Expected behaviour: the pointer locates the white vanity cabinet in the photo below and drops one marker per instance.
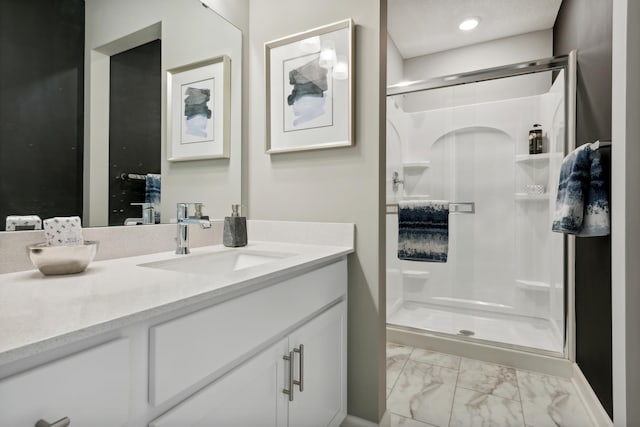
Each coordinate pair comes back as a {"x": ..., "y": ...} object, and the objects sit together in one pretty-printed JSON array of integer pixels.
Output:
[
  {"x": 311, "y": 361},
  {"x": 90, "y": 388},
  {"x": 270, "y": 355}
]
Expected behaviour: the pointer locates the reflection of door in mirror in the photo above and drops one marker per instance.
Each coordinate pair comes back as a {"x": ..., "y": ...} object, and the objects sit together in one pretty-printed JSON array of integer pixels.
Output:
[
  {"x": 134, "y": 129},
  {"x": 41, "y": 108}
]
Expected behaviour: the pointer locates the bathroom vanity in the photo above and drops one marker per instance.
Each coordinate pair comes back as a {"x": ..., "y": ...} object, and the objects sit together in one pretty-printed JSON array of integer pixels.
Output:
[{"x": 252, "y": 336}]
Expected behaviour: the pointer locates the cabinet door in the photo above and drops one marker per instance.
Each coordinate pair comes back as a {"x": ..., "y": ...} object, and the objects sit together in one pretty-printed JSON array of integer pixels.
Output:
[
  {"x": 322, "y": 402},
  {"x": 91, "y": 388},
  {"x": 249, "y": 395}
]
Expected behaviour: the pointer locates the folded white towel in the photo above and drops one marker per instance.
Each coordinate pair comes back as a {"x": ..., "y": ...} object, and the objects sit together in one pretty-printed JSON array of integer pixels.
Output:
[{"x": 63, "y": 231}]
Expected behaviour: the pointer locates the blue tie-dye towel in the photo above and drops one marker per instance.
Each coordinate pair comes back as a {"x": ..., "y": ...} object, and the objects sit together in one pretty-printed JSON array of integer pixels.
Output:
[
  {"x": 582, "y": 205},
  {"x": 423, "y": 230},
  {"x": 152, "y": 194}
]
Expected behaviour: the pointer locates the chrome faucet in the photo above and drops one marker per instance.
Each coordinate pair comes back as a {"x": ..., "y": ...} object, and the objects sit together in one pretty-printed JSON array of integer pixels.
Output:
[{"x": 182, "y": 239}]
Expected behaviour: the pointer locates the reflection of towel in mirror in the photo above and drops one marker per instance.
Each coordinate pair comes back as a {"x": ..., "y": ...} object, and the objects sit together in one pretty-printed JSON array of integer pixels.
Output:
[
  {"x": 152, "y": 194},
  {"x": 582, "y": 205},
  {"x": 423, "y": 230}
]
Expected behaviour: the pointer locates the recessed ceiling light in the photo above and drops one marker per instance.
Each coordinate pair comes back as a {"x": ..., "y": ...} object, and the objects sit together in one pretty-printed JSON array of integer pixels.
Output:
[{"x": 469, "y": 24}]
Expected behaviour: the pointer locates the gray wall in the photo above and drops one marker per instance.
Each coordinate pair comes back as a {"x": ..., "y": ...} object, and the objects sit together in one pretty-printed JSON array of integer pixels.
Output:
[
  {"x": 626, "y": 205},
  {"x": 336, "y": 185},
  {"x": 585, "y": 25}
]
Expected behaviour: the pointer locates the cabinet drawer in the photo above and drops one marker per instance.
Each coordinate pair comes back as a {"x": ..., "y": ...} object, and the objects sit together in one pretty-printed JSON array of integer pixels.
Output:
[
  {"x": 186, "y": 350},
  {"x": 90, "y": 387}
]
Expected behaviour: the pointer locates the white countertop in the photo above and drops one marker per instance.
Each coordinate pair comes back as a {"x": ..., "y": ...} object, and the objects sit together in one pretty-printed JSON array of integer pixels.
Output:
[{"x": 39, "y": 313}]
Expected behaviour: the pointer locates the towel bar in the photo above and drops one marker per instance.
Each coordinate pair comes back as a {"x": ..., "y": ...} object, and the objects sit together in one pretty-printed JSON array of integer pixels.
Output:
[
  {"x": 126, "y": 176},
  {"x": 454, "y": 208}
]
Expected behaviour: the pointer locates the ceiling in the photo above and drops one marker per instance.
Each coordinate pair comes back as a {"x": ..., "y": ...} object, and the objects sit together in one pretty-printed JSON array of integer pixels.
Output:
[{"x": 422, "y": 27}]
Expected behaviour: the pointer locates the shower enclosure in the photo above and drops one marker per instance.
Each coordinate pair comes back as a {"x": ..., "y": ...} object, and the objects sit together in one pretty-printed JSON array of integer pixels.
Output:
[{"x": 465, "y": 138}]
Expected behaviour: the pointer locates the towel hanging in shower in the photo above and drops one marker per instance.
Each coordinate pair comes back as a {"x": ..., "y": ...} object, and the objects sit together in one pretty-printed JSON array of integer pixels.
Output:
[
  {"x": 582, "y": 205},
  {"x": 423, "y": 230},
  {"x": 152, "y": 194}
]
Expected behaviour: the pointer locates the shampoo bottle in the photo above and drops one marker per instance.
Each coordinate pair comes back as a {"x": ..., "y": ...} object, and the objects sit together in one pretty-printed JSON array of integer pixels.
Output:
[{"x": 235, "y": 229}]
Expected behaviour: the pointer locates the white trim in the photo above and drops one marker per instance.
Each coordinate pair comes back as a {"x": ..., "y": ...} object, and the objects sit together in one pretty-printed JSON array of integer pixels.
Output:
[
  {"x": 591, "y": 402},
  {"x": 352, "y": 421}
]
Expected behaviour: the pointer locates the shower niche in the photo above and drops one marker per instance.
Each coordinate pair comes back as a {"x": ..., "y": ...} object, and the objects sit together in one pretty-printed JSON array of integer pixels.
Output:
[{"x": 504, "y": 281}]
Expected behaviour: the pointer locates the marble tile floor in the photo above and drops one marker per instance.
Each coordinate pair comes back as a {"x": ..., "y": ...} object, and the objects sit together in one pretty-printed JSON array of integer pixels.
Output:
[{"x": 430, "y": 389}]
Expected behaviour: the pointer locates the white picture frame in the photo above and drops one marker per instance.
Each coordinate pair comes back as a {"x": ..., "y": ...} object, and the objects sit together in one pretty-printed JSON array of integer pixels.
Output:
[
  {"x": 199, "y": 110},
  {"x": 309, "y": 79}
]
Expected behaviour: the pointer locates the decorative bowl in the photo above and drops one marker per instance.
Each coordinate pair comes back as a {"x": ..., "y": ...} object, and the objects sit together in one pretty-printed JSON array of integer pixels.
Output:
[{"x": 54, "y": 260}]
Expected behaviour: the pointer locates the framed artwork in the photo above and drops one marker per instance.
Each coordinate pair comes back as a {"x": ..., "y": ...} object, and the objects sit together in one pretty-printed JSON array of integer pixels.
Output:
[
  {"x": 309, "y": 89},
  {"x": 198, "y": 110}
]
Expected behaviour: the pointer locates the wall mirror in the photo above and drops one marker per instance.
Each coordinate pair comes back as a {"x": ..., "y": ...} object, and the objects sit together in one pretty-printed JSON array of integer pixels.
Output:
[{"x": 83, "y": 108}]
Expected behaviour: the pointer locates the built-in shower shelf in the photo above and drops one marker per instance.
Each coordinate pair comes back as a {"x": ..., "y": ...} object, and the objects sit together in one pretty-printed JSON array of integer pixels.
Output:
[
  {"x": 424, "y": 164},
  {"x": 416, "y": 274},
  {"x": 529, "y": 158},
  {"x": 533, "y": 285},
  {"x": 524, "y": 197}
]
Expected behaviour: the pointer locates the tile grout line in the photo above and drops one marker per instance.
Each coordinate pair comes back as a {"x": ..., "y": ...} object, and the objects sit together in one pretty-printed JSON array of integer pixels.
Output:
[
  {"x": 524, "y": 420},
  {"x": 455, "y": 388},
  {"x": 401, "y": 370}
]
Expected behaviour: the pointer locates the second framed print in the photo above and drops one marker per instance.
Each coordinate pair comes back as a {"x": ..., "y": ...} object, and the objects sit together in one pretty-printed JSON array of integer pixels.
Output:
[{"x": 198, "y": 110}]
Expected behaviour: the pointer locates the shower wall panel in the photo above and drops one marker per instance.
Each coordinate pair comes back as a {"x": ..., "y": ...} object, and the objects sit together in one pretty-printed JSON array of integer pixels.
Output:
[{"x": 503, "y": 258}]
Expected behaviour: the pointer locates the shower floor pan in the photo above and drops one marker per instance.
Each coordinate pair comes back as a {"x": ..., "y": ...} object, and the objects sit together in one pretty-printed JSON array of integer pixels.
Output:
[{"x": 501, "y": 328}]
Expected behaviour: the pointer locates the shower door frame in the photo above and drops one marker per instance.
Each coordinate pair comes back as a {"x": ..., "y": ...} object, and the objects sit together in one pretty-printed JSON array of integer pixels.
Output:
[{"x": 567, "y": 63}]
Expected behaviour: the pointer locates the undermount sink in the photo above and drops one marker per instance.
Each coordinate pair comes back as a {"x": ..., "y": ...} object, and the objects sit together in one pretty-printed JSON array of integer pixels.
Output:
[{"x": 218, "y": 263}]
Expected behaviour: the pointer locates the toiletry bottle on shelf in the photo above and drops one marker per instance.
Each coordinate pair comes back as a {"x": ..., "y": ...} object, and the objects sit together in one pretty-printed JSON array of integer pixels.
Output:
[
  {"x": 535, "y": 139},
  {"x": 235, "y": 229}
]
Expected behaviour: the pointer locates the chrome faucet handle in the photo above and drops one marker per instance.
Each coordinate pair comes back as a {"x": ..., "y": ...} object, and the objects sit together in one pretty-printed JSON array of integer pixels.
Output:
[
  {"x": 183, "y": 220},
  {"x": 183, "y": 210}
]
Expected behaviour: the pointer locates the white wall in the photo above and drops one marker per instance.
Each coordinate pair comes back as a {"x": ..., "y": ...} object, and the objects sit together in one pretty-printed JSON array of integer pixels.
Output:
[
  {"x": 189, "y": 33},
  {"x": 335, "y": 185},
  {"x": 625, "y": 202}
]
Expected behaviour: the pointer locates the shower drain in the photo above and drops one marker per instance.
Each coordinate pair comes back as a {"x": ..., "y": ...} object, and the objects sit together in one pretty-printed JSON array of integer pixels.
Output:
[{"x": 466, "y": 332}]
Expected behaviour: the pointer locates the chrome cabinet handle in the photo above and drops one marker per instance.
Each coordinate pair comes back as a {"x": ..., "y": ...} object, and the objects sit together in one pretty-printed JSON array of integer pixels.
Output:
[
  {"x": 63, "y": 422},
  {"x": 289, "y": 358},
  {"x": 300, "y": 383}
]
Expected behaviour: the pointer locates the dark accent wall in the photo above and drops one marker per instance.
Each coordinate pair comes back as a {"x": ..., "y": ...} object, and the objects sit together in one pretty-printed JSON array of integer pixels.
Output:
[
  {"x": 585, "y": 25},
  {"x": 134, "y": 126},
  {"x": 41, "y": 107}
]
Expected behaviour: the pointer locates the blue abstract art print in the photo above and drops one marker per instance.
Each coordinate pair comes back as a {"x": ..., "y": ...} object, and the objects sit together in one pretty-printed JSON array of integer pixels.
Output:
[{"x": 308, "y": 92}]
